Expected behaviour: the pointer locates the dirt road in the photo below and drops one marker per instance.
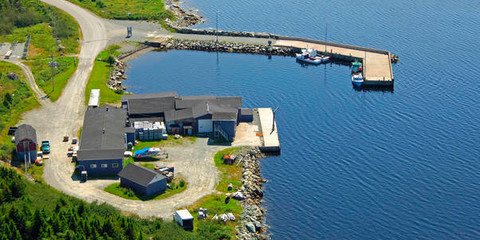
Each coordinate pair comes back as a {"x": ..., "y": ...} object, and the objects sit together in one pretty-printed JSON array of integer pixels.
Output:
[{"x": 65, "y": 116}]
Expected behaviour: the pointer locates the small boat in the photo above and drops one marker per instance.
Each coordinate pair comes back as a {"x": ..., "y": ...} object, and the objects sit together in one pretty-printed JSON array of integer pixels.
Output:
[
  {"x": 310, "y": 56},
  {"x": 357, "y": 67},
  {"x": 357, "y": 79}
]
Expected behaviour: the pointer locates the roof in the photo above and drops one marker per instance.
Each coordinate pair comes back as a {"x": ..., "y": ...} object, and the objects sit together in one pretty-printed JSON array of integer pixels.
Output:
[
  {"x": 246, "y": 111},
  {"x": 149, "y": 95},
  {"x": 103, "y": 128},
  {"x": 94, "y": 99},
  {"x": 224, "y": 116},
  {"x": 25, "y": 131},
  {"x": 138, "y": 174},
  {"x": 184, "y": 214},
  {"x": 100, "y": 154},
  {"x": 151, "y": 105},
  {"x": 174, "y": 115},
  {"x": 191, "y": 101}
]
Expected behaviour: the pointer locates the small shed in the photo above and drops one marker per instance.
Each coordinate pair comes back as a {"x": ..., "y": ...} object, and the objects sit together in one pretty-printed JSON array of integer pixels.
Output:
[
  {"x": 26, "y": 143},
  {"x": 246, "y": 115},
  {"x": 184, "y": 218},
  {"x": 94, "y": 100},
  {"x": 142, "y": 180}
]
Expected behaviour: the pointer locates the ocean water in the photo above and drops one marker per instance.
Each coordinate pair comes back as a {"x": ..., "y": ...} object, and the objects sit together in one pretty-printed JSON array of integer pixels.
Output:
[{"x": 400, "y": 164}]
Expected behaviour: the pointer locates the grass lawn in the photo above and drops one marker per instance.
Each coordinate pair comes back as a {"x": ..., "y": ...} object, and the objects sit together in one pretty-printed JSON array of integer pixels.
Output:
[
  {"x": 116, "y": 189},
  {"x": 43, "y": 74},
  {"x": 21, "y": 100},
  {"x": 99, "y": 77},
  {"x": 37, "y": 172},
  {"x": 230, "y": 173},
  {"x": 151, "y": 10}
]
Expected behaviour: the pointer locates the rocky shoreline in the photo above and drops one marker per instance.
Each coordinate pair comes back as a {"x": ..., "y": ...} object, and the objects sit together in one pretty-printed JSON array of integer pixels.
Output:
[
  {"x": 252, "y": 224},
  {"x": 184, "y": 18}
]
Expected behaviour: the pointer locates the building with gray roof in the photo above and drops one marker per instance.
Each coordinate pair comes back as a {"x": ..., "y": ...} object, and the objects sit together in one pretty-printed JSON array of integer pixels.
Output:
[
  {"x": 26, "y": 143},
  {"x": 142, "y": 180},
  {"x": 103, "y": 139}
]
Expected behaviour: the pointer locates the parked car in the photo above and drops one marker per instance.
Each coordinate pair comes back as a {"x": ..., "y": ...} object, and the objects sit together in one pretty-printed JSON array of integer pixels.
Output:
[{"x": 45, "y": 147}]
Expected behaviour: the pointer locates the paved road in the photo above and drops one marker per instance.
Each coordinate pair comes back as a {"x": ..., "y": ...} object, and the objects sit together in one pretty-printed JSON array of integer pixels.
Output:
[{"x": 65, "y": 116}]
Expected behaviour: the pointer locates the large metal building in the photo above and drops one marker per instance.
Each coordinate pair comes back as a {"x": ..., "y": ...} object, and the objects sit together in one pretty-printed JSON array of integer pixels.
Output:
[{"x": 103, "y": 141}]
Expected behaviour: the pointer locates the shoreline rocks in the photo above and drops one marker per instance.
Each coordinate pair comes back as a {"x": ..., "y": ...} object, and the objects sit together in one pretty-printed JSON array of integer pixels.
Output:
[
  {"x": 184, "y": 18},
  {"x": 252, "y": 224}
]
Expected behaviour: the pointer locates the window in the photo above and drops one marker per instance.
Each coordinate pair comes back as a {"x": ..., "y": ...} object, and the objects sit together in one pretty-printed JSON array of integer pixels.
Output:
[
  {"x": 105, "y": 165},
  {"x": 115, "y": 165},
  {"x": 93, "y": 165}
]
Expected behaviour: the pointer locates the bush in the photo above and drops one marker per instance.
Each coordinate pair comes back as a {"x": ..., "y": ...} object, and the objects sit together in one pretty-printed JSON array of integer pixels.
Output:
[{"x": 182, "y": 183}]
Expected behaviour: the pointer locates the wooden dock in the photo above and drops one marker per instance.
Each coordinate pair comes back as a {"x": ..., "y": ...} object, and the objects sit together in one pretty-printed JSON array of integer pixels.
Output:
[
  {"x": 271, "y": 142},
  {"x": 377, "y": 64}
]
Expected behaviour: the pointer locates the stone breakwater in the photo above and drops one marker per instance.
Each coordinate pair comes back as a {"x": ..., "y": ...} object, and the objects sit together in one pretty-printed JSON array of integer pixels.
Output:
[
  {"x": 117, "y": 75},
  {"x": 252, "y": 223},
  {"x": 211, "y": 46}
]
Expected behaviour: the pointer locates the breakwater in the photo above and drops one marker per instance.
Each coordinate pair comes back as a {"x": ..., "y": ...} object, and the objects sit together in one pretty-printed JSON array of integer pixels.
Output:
[{"x": 212, "y": 46}]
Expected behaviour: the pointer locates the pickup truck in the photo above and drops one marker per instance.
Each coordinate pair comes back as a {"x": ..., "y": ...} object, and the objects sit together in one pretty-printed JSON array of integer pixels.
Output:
[{"x": 45, "y": 147}]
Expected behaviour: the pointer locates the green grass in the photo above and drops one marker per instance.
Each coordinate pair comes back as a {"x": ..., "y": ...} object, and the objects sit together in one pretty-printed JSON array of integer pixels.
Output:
[
  {"x": 151, "y": 10},
  {"x": 126, "y": 193},
  {"x": 37, "y": 172},
  {"x": 43, "y": 74},
  {"x": 148, "y": 165},
  {"x": 215, "y": 203},
  {"x": 99, "y": 78},
  {"x": 230, "y": 173},
  {"x": 23, "y": 100}
]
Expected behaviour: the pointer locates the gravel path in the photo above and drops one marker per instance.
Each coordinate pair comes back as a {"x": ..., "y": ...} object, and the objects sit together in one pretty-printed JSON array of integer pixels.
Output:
[{"x": 39, "y": 94}]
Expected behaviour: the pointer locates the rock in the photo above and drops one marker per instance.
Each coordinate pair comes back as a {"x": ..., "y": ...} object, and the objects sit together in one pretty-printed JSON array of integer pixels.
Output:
[{"x": 250, "y": 227}]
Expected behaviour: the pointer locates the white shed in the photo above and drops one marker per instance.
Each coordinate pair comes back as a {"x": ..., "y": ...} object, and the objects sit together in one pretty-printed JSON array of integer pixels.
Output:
[
  {"x": 184, "y": 218},
  {"x": 94, "y": 100}
]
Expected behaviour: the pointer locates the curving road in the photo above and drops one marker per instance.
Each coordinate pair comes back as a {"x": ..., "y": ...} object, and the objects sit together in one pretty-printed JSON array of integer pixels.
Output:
[
  {"x": 65, "y": 116},
  {"x": 39, "y": 94}
]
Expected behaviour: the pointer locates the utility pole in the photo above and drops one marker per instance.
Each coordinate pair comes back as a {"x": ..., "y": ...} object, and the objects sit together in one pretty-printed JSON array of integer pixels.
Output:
[
  {"x": 216, "y": 24},
  {"x": 53, "y": 64}
]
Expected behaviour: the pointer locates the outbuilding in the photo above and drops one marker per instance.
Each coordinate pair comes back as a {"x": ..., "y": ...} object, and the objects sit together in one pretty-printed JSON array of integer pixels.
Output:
[
  {"x": 142, "y": 180},
  {"x": 184, "y": 219},
  {"x": 26, "y": 143}
]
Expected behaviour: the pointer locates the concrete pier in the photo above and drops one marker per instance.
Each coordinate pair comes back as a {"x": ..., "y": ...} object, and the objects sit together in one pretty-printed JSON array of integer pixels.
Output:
[
  {"x": 268, "y": 125},
  {"x": 377, "y": 64}
]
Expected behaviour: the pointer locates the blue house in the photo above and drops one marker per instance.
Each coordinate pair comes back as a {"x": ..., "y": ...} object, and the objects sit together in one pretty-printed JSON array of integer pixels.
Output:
[
  {"x": 104, "y": 137},
  {"x": 142, "y": 180}
]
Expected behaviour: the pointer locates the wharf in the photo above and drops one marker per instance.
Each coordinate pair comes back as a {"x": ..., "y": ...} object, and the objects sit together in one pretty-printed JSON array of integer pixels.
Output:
[
  {"x": 271, "y": 142},
  {"x": 377, "y": 64}
]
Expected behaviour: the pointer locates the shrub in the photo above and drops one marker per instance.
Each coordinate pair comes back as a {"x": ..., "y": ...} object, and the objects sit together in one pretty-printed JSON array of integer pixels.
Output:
[{"x": 182, "y": 183}]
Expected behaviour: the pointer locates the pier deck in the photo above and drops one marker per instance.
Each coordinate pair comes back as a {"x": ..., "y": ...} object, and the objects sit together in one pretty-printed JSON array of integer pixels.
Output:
[
  {"x": 271, "y": 142},
  {"x": 377, "y": 65}
]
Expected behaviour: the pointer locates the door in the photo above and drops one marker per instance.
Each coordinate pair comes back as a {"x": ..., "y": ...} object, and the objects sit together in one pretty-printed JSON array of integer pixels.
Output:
[{"x": 205, "y": 125}]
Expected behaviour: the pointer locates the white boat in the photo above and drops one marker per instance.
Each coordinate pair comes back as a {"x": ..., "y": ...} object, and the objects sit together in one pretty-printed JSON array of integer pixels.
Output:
[
  {"x": 357, "y": 79},
  {"x": 231, "y": 217},
  {"x": 310, "y": 56}
]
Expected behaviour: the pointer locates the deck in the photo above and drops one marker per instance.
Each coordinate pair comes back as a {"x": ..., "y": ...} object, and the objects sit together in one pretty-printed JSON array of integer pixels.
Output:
[{"x": 271, "y": 142}]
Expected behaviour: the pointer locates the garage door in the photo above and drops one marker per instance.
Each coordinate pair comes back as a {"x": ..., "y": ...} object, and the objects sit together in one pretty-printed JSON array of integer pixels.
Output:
[{"x": 205, "y": 126}]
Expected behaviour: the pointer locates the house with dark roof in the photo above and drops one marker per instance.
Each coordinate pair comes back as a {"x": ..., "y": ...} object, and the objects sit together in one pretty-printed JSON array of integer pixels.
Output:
[
  {"x": 104, "y": 137},
  {"x": 142, "y": 180},
  {"x": 26, "y": 143},
  {"x": 188, "y": 115}
]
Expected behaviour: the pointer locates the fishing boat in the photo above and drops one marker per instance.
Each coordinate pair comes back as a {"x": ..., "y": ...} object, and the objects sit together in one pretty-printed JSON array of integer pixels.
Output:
[
  {"x": 357, "y": 79},
  {"x": 310, "y": 56}
]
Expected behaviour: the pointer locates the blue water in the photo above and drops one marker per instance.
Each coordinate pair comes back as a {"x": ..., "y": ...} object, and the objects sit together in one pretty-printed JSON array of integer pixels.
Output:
[{"x": 354, "y": 164}]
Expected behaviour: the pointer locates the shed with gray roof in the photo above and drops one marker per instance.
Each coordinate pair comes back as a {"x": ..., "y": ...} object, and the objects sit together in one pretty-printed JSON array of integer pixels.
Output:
[{"x": 142, "y": 180}]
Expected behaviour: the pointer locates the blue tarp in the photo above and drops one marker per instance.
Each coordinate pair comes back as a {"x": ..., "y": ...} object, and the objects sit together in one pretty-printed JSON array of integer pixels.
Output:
[{"x": 142, "y": 151}]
